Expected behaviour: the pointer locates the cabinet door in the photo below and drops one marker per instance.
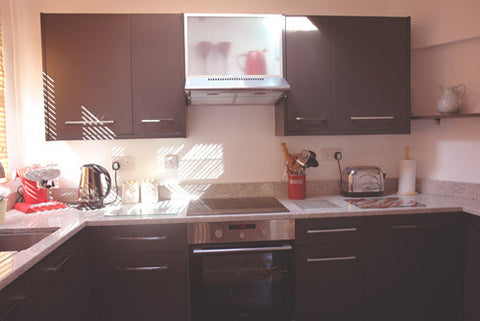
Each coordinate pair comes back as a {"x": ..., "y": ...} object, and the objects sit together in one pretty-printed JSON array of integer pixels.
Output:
[
  {"x": 142, "y": 287},
  {"x": 87, "y": 79},
  {"x": 413, "y": 268},
  {"x": 371, "y": 74},
  {"x": 62, "y": 283},
  {"x": 308, "y": 54},
  {"x": 16, "y": 300},
  {"x": 158, "y": 75},
  {"x": 328, "y": 283},
  {"x": 472, "y": 269}
]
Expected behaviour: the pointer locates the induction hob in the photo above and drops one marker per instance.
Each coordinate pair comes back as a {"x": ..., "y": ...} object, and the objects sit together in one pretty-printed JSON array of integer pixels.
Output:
[{"x": 227, "y": 206}]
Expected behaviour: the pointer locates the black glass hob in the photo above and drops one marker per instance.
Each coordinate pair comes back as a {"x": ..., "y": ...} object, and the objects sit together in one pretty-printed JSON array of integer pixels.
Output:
[{"x": 227, "y": 206}]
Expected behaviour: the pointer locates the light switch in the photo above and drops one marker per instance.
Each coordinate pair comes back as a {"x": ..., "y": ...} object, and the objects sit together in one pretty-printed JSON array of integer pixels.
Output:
[{"x": 171, "y": 161}]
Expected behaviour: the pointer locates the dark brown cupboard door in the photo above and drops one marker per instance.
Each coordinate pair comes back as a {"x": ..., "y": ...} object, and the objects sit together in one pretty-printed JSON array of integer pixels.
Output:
[
  {"x": 412, "y": 268},
  {"x": 328, "y": 283},
  {"x": 141, "y": 273},
  {"x": 87, "y": 78},
  {"x": 472, "y": 269},
  {"x": 371, "y": 72},
  {"x": 158, "y": 75},
  {"x": 142, "y": 287},
  {"x": 308, "y": 54},
  {"x": 62, "y": 283},
  {"x": 16, "y": 302}
]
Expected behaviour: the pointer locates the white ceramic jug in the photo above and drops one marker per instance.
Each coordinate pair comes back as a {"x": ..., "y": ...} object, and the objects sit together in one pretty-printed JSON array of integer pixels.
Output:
[{"x": 451, "y": 99}]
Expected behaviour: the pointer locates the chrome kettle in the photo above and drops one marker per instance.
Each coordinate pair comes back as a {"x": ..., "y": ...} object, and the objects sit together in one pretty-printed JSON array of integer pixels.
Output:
[{"x": 90, "y": 190}]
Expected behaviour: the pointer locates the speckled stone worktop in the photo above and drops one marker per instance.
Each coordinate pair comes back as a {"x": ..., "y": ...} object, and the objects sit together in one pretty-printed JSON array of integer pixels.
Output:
[{"x": 68, "y": 222}]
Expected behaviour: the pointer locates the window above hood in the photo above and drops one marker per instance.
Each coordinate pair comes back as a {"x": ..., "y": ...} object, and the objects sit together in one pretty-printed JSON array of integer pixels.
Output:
[{"x": 234, "y": 59}]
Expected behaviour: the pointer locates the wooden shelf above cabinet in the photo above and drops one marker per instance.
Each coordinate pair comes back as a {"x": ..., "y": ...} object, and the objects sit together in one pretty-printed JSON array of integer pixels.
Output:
[{"x": 438, "y": 118}]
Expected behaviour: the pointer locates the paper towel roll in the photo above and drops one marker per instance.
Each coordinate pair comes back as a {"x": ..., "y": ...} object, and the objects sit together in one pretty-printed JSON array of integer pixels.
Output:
[{"x": 407, "y": 175}]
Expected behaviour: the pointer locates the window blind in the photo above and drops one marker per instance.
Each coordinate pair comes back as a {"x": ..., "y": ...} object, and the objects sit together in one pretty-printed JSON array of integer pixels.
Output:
[{"x": 3, "y": 118}]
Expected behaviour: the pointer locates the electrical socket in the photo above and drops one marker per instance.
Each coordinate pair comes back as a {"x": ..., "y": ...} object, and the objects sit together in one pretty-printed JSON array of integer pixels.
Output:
[
  {"x": 126, "y": 162},
  {"x": 328, "y": 154}
]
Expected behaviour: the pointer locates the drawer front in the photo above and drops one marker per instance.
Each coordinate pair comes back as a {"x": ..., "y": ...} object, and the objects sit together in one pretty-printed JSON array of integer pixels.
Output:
[
  {"x": 148, "y": 286},
  {"x": 328, "y": 231},
  {"x": 328, "y": 282},
  {"x": 446, "y": 222},
  {"x": 140, "y": 238}
]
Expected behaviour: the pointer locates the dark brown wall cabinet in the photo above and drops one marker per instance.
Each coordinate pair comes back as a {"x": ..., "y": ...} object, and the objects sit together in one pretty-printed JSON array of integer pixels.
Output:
[
  {"x": 348, "y": 75},
  {"x": 109, "y": 76},
  {"x": 141, "y": 273}
]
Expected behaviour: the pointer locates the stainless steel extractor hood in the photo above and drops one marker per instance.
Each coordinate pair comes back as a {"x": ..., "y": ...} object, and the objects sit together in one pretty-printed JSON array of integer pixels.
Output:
[
  {"x": 235, "y": 90},
  {"x": 234, "y": 59}
]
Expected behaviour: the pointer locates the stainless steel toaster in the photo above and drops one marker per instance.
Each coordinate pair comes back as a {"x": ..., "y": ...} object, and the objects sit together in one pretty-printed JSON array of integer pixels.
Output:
[{"x": 363, "y": 181}]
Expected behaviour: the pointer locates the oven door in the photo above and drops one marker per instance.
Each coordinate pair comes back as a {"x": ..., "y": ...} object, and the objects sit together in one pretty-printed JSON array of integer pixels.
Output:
[{"x": 242, "y": 282}]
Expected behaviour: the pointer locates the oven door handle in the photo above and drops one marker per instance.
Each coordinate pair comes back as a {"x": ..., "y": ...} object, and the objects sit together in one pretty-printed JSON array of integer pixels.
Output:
[{"x": 285, "y": 247}]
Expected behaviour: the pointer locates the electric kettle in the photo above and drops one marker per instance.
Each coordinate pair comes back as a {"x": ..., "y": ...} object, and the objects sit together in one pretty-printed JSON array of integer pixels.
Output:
[{"x": 90, "y": 190}]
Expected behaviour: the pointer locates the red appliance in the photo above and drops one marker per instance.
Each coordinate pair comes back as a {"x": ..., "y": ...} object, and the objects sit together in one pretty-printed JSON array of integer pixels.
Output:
[
  {"x": 35, "y": 183},
  {"x": 254, "y": 63}
]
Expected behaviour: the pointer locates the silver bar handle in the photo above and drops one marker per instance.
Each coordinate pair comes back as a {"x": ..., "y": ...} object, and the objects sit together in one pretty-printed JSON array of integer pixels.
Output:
[
  {"x": 407, "y": 227},
  {"x": 16, "y": 301},
  {"x": 309, "y": 119},
  {"x": 59, "y": 266},
  {"x": 372, "y": 117},
  {"x": 156, "y": 120},
  {"x": 331, "y": 259},
  {"x": 89, "y": 122},
  {"x": 140, "y": 238},
  {"x": 285, "y": 247},
  {"x": 141, "y": 268},
  {"x": 333, "y": 230}
]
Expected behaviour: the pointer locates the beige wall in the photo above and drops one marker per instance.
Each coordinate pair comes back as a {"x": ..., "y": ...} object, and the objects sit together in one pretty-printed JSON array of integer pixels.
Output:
[
  {"x": 232, "y": 144},
  {"x": 438, "y": 21}
]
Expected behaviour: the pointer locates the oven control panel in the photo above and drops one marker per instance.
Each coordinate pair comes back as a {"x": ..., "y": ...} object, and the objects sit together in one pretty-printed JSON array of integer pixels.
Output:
[{"x": 224, "y": 232}]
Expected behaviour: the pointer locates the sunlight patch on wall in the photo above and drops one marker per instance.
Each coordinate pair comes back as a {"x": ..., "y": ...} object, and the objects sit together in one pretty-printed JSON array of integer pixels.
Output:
[
  {"x": 118, "y": 151},
  {"x": 185, "y": 192},
  {"x": 202, "y": 162},
  {"x": 168, "y": 150}
]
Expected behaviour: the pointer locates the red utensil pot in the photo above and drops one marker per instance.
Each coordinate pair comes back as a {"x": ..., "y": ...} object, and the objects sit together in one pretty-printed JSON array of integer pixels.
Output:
[{"x": 296, "y": 186}]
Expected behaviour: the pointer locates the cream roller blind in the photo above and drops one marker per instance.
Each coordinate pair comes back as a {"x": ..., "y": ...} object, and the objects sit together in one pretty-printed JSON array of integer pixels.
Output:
[{"x": 3, "y": 119}]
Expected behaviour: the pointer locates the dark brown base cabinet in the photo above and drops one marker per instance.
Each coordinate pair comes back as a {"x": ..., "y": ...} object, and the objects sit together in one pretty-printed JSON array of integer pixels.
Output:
[
  {"x": 109, "y": 76},
  {"x": 141, "y": 273},
  {"x": 472, "y": 268},
  {"x": 61, "y": 283},
  {"x": 16, "y": 301},
  {"x": 396, "y": 268},
  {"x": 328, "y": 270},
  {"x": 348, "y": 75},
  {"x": 58, "y": 288},
  {"x": 413, "y": 268}
]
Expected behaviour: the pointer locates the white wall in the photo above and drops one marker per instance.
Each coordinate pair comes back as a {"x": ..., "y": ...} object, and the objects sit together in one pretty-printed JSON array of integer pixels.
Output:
[{"x": 223, "y": 144}]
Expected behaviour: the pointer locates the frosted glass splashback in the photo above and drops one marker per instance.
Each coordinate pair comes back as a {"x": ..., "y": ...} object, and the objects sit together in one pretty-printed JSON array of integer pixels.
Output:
[{"x": 234, "y": 45}]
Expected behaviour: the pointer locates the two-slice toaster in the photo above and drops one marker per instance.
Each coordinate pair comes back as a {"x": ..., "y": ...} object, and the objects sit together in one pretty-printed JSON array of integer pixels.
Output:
[{"x": 363, "y": 181}]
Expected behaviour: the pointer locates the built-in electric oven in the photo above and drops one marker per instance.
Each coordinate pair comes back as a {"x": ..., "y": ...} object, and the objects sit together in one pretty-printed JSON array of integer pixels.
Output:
[{"x": 241, "y": 271}]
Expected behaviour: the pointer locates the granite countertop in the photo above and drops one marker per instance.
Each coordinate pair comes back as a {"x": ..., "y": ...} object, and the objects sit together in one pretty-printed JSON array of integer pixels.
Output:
[{"x": 68, "y": 222}]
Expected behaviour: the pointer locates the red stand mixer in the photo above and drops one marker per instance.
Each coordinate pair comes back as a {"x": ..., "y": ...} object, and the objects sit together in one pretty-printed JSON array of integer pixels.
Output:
[{"x": 35, "y": 184}]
